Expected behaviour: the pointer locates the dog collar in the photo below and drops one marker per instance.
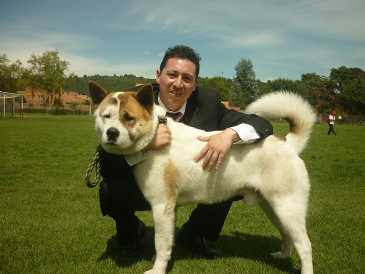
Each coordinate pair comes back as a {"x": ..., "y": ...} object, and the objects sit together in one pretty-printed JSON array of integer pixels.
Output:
[{"x": 162, "y": 120}]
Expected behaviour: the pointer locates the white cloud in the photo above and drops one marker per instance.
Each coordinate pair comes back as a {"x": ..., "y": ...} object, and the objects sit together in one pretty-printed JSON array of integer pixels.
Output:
[
  {"x": 70, "y": 48},
  {"x": 336, "y": 18},
  {"x": 253, "y": 40},
  {"x": 23, "y": 46},
  {"x": 82, "y": 65}
]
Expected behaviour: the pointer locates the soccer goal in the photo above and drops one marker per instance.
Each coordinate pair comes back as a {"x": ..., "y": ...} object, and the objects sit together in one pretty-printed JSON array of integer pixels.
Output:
[{"x": 11, "y": 104}]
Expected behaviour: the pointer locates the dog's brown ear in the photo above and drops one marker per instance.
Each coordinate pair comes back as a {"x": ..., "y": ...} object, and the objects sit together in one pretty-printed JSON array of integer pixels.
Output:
[
  {"x": 97, "y": 93},
  {"x": 145, "y": 97}
]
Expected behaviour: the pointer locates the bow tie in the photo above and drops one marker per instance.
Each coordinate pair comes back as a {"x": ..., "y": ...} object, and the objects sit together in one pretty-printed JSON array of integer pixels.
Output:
[{"x": 174, "y": 115}]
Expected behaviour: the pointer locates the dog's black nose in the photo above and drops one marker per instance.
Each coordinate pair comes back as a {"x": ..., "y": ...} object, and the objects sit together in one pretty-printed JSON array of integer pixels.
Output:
[{"x": 112, "y": 134}]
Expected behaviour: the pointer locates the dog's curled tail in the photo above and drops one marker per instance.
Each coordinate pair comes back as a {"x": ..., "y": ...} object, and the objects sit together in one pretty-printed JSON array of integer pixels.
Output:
[{"x": 291, "y": 107}]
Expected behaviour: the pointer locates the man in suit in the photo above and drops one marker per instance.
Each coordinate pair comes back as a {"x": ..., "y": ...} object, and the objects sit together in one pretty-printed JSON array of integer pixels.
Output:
[{"x": 177, "y": 91}]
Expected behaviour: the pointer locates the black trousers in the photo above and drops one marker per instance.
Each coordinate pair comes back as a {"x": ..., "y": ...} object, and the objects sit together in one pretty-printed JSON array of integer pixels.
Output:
[
  {"x": 120, "y": 198},
  {"x": 331, "y": 129}
]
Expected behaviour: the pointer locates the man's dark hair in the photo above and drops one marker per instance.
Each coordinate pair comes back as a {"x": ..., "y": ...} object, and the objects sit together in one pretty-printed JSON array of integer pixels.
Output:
[{"x": 183, "y": 52}]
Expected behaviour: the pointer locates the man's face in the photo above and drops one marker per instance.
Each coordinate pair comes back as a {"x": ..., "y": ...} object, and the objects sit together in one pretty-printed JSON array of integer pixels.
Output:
[{"x": 177, "y": 82}]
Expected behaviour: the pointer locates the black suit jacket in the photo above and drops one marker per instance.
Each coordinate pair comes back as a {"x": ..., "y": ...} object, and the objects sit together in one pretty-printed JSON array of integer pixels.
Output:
[{"x": 204, "y": 110}]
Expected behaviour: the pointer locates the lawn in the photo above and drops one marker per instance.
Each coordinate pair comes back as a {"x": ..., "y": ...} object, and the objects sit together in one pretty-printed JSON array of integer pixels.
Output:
[{"x": 50, "y": 221}]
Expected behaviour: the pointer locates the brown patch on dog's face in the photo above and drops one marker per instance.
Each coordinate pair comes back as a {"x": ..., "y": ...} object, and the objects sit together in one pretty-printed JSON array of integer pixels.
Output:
[
  {"x": 170, "y": 177},
  {"x": 131, "y": 110}
]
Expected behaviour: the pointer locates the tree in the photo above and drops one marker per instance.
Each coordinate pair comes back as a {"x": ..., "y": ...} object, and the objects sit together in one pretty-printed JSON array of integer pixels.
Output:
[
  {"x": 315, "y": 88},
  {"x": 222, "y": 84},
  {"x": 245, "y": 89},
  {"x": 282, "y": 84},
  {"x": 47, "y": 72},
  {"x": 11, "y": 75},
  {"x": 349, "y": 86}
]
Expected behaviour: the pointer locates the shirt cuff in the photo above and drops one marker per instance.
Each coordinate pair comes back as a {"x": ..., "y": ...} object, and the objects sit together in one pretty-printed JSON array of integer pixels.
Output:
[
  {"x": 247, "y": 134},
  {"x": 135, "y": 158}
]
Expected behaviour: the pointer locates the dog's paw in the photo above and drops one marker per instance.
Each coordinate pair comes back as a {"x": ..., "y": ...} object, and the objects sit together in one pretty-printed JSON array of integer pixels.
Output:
[
  {"x": 152, "y": 271},
  {"x": 280, "y": 255}
]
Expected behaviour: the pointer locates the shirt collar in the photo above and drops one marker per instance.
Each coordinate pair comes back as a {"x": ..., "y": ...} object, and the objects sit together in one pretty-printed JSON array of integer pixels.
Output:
[{"x": 181, "y": 110}]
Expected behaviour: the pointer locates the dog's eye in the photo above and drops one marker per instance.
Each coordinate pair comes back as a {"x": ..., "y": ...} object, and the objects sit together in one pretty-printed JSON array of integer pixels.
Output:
[
  {"x": 106, "y": 116},
  {"x": 127, "y": 117}
]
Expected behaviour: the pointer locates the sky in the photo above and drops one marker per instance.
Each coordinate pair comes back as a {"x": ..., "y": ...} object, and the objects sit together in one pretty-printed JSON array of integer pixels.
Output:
[{"x": 282, "y": 38}]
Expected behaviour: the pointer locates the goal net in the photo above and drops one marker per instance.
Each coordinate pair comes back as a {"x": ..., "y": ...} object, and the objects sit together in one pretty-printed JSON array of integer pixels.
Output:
[{"x": 11, "y": 104}]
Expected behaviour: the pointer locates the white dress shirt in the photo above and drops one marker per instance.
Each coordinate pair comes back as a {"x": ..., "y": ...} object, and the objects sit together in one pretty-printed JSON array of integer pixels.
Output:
[{"x": 331, "y": 119}]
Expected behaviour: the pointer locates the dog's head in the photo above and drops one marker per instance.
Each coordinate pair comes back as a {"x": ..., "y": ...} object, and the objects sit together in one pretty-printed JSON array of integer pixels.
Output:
[{"x": 124, "y": 120}]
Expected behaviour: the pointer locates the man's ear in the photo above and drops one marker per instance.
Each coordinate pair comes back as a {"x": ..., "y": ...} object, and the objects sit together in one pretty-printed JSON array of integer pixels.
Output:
[
  {"x": 158, "y": 74},
  {"x": 145, "y": 97},
  {"x": 97, "y": 93}
]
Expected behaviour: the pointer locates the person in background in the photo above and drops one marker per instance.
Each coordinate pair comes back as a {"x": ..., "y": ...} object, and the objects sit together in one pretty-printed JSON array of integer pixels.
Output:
[{"x": 331, "y": 122}]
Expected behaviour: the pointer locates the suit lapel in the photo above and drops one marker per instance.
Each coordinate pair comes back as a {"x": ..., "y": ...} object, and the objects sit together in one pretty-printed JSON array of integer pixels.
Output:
[{"x": 189, "y": 114}]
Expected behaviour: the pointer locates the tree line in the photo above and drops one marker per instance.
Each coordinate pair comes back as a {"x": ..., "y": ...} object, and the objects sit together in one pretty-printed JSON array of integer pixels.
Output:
[{"x": 343, "y": 90}]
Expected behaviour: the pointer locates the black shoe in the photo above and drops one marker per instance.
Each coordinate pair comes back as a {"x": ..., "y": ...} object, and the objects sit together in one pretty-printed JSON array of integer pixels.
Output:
[
  {"x": 196, "y": 243},
  {"x": 130, "y": 251},
  {"x": 133, "y": 247}
]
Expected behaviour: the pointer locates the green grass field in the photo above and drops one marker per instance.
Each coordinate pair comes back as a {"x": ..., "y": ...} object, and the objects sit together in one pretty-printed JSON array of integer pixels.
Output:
[{"x": 50, "y": 221}]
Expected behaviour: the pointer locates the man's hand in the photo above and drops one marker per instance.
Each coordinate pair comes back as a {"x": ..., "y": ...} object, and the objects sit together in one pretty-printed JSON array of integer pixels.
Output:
[
  {"x": 162, "y": 138},
  {"x": 216, "y": 148}
]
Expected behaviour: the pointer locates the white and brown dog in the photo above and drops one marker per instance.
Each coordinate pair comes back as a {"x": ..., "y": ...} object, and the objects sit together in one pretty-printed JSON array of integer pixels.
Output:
[{"x": 270, "y": 171}]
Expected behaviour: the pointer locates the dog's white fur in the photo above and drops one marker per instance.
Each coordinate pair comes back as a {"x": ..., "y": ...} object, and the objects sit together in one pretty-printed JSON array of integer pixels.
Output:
[{"x": 269, "y": 171}]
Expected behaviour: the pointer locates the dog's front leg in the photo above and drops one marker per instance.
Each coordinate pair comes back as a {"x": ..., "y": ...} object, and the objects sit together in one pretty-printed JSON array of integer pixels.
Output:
[{"x": 164, "y": 220}]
